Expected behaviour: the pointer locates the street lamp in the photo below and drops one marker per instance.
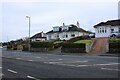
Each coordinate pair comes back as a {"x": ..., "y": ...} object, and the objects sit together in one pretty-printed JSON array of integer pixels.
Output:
[{"x": 29, "y": 31}]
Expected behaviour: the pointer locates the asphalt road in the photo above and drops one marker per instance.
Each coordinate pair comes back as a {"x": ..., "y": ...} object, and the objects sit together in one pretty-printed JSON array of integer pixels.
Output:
[{"x": 16, "y": 64}]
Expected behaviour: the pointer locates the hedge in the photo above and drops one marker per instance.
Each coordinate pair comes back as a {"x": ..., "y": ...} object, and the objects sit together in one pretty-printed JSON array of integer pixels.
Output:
[
  {"x": 114, "y": 47},
  {"x": 73, "y": 45},
  {"x": 78, "y": 38},
  {"x": 73, "y": 48},
  {"x": 41, "y": 44}
]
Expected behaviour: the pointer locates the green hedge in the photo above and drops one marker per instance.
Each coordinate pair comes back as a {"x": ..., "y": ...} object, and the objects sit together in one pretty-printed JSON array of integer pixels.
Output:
[
  {"x": 41, "y": 44},
  {"x": 73, "y": 48},
  {"x": 78, "y": 38},
  {"x": 114, "y": 47},
  {"x": 73, "y": 45}
]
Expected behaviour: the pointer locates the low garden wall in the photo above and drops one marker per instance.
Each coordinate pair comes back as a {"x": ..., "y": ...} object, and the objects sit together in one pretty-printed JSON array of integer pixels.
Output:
[
  {"x": 73, "y": 48},
  {"x": 114, "y": 47},
  {"x": 41, "y": 46}
]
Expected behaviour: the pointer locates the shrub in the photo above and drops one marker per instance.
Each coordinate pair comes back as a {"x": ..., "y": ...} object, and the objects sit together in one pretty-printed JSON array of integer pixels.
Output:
[
  {"x": 41, "y": 44},
  {"x": 72, "y": 45},
  {"x": 78, "y": 38},
  {"x": 114, "y": 47}
]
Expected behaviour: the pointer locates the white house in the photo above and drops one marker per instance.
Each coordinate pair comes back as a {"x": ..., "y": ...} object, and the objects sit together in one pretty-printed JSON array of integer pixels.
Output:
[
  {"x": 66, "y": 32},
  {"x": 107, "y": 29},
  {"x": 38, "y": 37}
]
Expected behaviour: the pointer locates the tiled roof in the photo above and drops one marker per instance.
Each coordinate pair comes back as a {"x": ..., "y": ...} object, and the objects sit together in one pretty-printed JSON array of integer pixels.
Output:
[
  {"x": 111, "y": 22},
  {"x": 72, "y": 28},
  {"x": 38, "y": 35}
]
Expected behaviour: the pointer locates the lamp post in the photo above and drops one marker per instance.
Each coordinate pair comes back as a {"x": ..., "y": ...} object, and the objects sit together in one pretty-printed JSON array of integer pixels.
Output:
[{"x": 29, "y": 32}]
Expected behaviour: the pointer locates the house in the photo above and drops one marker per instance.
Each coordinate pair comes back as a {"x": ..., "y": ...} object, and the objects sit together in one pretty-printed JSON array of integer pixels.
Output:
[
  {"x": 38, "y": 37},
  {"x": 66, "y": 32},
  {"x": 107, "y": 29}
]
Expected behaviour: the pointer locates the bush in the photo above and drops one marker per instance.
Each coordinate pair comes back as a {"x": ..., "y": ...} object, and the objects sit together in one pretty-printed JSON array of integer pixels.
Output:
[
  {"x": 114, "y": 47},
  {"x": 41, "y": 44},
  {"x": 78, "y": 38},
  {"x": 72, "y": 45}
]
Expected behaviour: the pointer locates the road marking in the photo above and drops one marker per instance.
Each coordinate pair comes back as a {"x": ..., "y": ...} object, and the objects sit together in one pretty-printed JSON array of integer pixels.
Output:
[
  {"x": 52, "y": 62},
  {"x": 81, "y": 61},
  {"x": 63, "y": 64},
  {"x": 37, "y": 57},
  {"x": 1, "y": 74},
  {"x": 32, "y": 77},
  {"x": 0, "y": 67},
  {"x": 110, "y": 69},
  {"x": 105, "y": 64},
  {"x": 60, "y": 59},
  {"x": 30, "y": 60},
  {"x": 18, "y": 58},
  {"x": 12, "y": 71},
  {"x": 71, "y": 65},
  {"x": 82, "y": 65}
]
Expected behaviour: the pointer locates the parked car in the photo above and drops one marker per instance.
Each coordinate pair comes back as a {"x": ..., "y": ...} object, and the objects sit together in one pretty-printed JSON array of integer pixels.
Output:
[
  {"x": 115, "y": 34},
  {"x": 92, "y": 35}
]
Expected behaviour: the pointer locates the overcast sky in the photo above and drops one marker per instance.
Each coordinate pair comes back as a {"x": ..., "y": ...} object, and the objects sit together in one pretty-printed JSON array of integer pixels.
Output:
[{"x": 45, "y": 15}]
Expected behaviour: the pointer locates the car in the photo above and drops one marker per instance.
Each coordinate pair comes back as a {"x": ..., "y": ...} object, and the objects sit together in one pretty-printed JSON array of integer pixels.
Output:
[
  {"x": 115, "y": 34},
  {"x": 1, "y": 47},
  {"x": 92, "y": 35}
]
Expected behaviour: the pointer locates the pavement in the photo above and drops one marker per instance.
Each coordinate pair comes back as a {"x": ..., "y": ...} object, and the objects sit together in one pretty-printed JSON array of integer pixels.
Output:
[{"x": 17, "y": 64}]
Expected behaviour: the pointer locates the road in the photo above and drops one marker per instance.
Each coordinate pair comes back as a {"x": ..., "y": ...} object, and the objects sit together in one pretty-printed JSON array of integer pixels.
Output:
[{"x": 16, "y": 64}]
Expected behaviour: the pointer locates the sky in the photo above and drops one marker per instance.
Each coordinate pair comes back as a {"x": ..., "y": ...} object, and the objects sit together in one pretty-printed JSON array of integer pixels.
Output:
[{"x": 45, "y": 14}]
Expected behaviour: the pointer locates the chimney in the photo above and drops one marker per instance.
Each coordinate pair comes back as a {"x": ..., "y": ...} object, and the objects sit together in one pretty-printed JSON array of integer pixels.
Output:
[{"x": 78, "y": 25}]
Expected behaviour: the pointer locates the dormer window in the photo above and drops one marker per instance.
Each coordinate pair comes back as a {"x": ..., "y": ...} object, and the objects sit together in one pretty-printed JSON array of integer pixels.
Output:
[{"x": 56, "y": 28}]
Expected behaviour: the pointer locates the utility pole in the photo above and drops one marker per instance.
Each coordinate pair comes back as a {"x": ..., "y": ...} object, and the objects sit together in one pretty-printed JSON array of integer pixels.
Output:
[{"x": 29, "y": 46}]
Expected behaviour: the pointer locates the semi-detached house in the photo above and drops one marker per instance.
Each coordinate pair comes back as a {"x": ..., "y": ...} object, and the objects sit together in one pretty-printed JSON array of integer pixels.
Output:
[
  {"x": 66, "y": 32},
  {"x": 107, "y": 29}
]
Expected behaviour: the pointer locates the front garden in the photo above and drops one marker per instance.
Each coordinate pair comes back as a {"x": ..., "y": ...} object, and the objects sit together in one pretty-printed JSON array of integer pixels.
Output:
[{"x": 114, "y": 45}]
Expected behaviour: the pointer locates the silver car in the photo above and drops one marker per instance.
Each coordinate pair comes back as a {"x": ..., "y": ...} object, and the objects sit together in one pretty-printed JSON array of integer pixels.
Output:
[{"x": 115, "y": 34}]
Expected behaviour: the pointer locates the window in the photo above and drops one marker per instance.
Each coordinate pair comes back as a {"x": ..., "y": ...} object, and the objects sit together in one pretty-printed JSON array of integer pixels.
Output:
[
  {"x": 57, "y": 35},
  {"x": 49, "y": 36},
  {"x": 100, "y": 30},
  {"x": 119, "y": 29},
  {"x": 112, "y": 30},
  {"x": 105, "y": 30},
  {"x": 66, "y": 36},
  {"x": 72, "y": 35}
]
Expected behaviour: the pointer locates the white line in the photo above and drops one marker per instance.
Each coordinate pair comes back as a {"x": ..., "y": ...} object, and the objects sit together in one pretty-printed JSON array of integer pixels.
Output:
[
  {"x": 82, "y": 65},
  {"x": 37, "y": 57},
  {"x": 30, "y": 60},
  {"x": 71, "y": 65},
  {"x": 62, "y": 64},
  {"x": 32, "y": 77},
  {"x": 1, "y": 74},
  {"x": 110, "y": 69},
  {"x": 0, "y": 67},
  {"x": 18, "y": 58},
  {"x": 52, "y": 62},
  {"x": 12, "y": 71},
  {"x": 60, "y": 59},
  {"x": 81, "y": 61},
  {"x": 105, "y": 64}
]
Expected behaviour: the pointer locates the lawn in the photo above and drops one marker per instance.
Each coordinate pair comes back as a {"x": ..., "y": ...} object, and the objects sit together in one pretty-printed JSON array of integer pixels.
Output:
[
  {"x": 114, "y": 39},
  {"x": 83, "y": 41},
  {"x": 57, "y": 42}
]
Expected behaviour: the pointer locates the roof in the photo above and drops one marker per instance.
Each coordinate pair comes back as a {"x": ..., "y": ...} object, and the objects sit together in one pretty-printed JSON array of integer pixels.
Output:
[
  {"x": 72, "y": 28},
  {"x": 38, "y": 35},
  {"x": 110, "y": 22}
]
